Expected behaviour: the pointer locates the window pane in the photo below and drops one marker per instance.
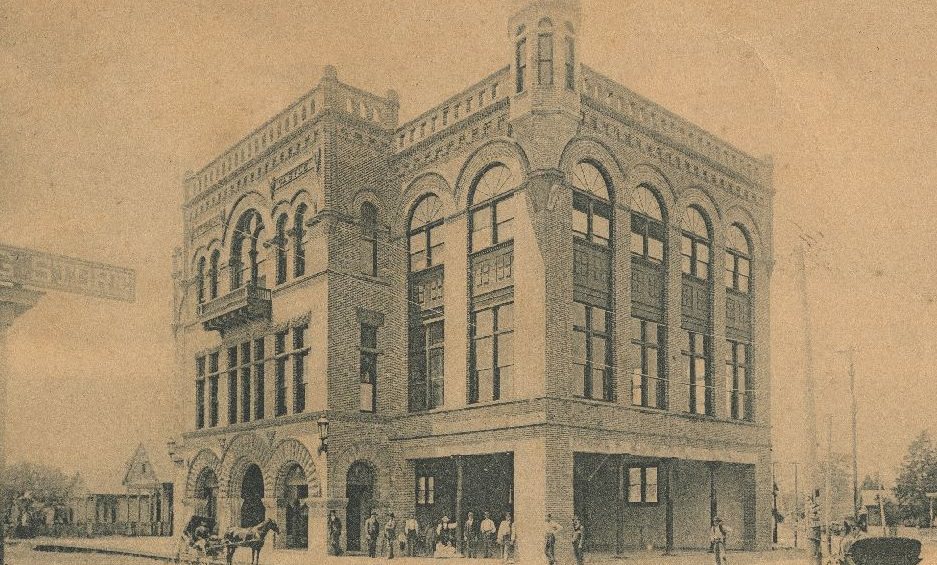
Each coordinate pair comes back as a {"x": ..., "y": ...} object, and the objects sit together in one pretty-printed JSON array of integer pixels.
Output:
[
  {"x": 743, "y": 283},
  {"x": 702, "y": 270},
  {"x": 600, "y": 228},
  {"x": 702, "y": 252},
  {"x": 506, "y": 382},
  {"x": 637, "y": 243},
  {"x": 744, "y": 266},
  {"x": 580, "y": 222},
  {"x": 368, "y": 337},
  {"x": 651, "y": 482},
  {"x": 729, "y": 277},
  {"x": 579, "y": 346},
  {"x": 481, "y": 228},
  {"x": 367, "y": 397},
  {"x": 636, "y": 325},
  {"x": 634, "y": 484},
  {"x": 417, "y": 242},
  {"x": 506, "y": 317},
  {"x": 437, "y": 253},
  {"x": 483, "y": 353},
  {"x": 598, "y": 383},
  {"x": 686, "y": 265},
  {"x": 417, "y": 260},
  {"x": 598, "y": 351},
  {"x": 484, "y": 323},
  {"x": 504, "y": 209},
  {"x": 485, "y": 385},
  {"x": 655, "y": 249},
  {"x": 577, "y": 312},
  {"x": 598, "y": 320},
  {"x": 435, "y": 333},
  {"x": 505, "y": 231},
  {"x": 652, "y": 366},
  {"x": 505, "y": 349}
]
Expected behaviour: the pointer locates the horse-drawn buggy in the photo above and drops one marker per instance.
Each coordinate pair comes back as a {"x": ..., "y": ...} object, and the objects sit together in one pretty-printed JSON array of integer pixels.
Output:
[{"x": 198, "y": 541}]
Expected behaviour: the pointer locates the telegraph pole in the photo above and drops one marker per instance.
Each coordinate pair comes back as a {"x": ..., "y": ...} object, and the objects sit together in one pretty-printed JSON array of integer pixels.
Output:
[
  {"x": 855, "y": 434},
  {"x": 828, "y": 499},
  {"x": 796, "y": 503},
  {"x": 810, "y": 414}
]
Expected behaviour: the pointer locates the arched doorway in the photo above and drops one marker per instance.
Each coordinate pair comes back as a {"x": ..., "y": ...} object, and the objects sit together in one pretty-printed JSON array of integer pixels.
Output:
[
  {"x": 296, "y": 491},
  {"x": 252, "y": 494},
  {"x": 206, "y": 494},
  {"x": 359, "y": 490}
]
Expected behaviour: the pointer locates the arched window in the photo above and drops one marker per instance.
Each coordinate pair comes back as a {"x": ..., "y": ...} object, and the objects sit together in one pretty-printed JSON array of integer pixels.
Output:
[
  {"x": 426, "y": 242},
  {"x": 591, "y": 209},
  {"x": 695, "y": 244},
  {"x": 213, "y": 274},
  {"x": 649, "y": 385},
  {"x": 368, "y": 242},
  {"x": 426, "y": 325},
  {"x": 299, "y": 244},
  {"x": 245, "y": 262},
  {"x": 200, "y": 284},
  {"x": 738, "y": 259},
  {"x": 280, "y": 246},
  {"x": 647, "y": 225},
  {"x": 492, "y": 201}
]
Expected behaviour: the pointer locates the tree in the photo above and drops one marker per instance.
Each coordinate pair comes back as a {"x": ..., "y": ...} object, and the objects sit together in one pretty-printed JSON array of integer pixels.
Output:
[
  {"x": 916, "y": 477},
  {"x": 872, "y": 482},
  {"x": 46, "y": 485}
]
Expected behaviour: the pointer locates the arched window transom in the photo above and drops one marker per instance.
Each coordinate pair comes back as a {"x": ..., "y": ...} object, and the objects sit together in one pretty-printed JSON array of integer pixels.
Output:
[
  {"x": 591, "y": 210},
  {"x": 647, "y": 225},
  {"x": 426, "y": 240},
  {"x": 492, "y": 219},
  {"x": 695, "y": 244}
]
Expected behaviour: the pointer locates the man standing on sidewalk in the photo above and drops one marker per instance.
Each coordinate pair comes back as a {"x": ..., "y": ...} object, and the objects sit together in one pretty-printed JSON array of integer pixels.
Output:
[
  {"x": 551, "y": 528},
  {"x": 390, "y": 535},
  {"x": 579, "y": 535},
  {"x": 488, "y": 532},
  {"x": 372, "y": 529},
  {"x": 412, "y": 530},
  {"x": 470, "y": 536}
]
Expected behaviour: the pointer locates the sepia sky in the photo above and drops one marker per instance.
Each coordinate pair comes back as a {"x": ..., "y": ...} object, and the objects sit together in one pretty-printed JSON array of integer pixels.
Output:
[{"x": 105, "y": 105}]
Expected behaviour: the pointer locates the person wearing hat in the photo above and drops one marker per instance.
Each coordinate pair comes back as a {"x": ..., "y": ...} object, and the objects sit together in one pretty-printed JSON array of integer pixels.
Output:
[
  {"x": 372, "y": 529},
  {"x": 390, "y": 535},
  {"x": 717, "y": 538},
  {"x": 551, "y": 528}
]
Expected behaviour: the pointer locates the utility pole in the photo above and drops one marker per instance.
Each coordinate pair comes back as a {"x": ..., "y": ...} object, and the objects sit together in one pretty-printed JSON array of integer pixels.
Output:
[
  {"x": 810, "y": 414},
  {"x": 855, "y": 433},
  {"x": 774, "y": 499},
  {"x": 796, "y": 503},
  {"x": 828, "y": 499}
]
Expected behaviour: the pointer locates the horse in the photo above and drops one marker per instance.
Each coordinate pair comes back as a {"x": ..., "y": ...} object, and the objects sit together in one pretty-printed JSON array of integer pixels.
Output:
[{"x": 248, "y": 537}]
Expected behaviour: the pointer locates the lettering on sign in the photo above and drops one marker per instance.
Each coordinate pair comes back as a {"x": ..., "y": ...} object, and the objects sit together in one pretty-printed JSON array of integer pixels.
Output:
[
  {"x": 55, "y": 272},
  {"x": 293, "y": 174}
]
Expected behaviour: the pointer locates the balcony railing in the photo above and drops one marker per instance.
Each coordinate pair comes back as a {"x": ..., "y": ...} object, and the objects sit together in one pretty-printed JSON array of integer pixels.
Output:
[{"x": 241, "y": 305}]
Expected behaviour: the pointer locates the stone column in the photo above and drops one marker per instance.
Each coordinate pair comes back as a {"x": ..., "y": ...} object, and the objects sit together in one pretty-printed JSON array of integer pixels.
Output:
[{"x": 317, "y": 532}]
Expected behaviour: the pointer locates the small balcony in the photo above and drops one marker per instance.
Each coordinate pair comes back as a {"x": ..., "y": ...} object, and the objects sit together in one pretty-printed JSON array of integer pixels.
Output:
[{"x": 241, "y": 305}]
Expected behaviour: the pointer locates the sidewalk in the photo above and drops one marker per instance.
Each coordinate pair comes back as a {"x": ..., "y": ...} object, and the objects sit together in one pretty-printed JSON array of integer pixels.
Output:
[{"x": 165, "y": 548}]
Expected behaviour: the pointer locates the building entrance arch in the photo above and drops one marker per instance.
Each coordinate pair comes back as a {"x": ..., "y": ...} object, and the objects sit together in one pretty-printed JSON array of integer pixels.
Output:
[
  {"x": 206, "y": 494},
  {"x": 294, "y": 495},
  {"x": 252, "y": 494},
  {"x": 359, "y": 489}
]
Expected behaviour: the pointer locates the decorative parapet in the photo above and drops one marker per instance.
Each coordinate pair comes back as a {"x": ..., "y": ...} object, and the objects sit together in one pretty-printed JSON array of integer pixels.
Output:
[
  {"x": 454, "y": 110},
  {"x": 329, "y": 94},
  {"x": 681, "y": 132}
]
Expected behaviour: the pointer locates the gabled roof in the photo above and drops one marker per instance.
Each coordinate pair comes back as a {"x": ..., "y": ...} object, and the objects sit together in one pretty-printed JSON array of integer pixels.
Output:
[{"x": 147, "y": 468}]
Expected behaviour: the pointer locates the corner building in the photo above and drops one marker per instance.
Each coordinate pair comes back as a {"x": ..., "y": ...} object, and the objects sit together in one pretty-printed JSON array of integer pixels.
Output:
[{"x": 545, "y": 295}]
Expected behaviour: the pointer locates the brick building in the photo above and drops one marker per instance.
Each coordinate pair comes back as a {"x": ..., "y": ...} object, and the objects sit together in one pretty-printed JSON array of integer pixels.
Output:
[{"x": 545, "y": 294}]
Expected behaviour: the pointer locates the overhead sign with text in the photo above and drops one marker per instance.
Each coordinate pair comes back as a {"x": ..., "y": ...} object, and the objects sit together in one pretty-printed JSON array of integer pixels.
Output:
[{"x": 55, "y": 272}]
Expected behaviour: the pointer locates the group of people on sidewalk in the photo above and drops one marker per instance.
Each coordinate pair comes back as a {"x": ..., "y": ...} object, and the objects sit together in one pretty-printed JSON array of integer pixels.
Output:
[{"x": 480, "y": 538}]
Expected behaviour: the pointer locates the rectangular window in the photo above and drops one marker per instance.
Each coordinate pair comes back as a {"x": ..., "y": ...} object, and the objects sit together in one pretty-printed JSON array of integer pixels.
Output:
[
  {"x": 435, "y": 363},
  {"x": 425, "y": 490},
  {"x": 213, "y": 389},
  {"x": 232, "y": 385},
  {"x": 492, "y": 374},
  {"x": 545, "y": 59},
  {"x": 647, "y": 238},
  {"x": 698, "y": 373},
  {"x": 245, "y": 369},
  {"x": 570, "y": 63},
  {"x": 592, "y": 351},
  {"x": 741, "y": 398},
  {"x": 368, "y": 367},
  {"x": 300, "y": 351},
  {"x": 280, "y": 359},
  {"x": 259, "y": 378},
  {"x": 200, "y": 393},
  {"x": 695, "y": 257},
  {"x": 649, "y": 379},
  {"x": 642, "y": 485},
  {"x": 367, "y": 253},
  {"x": 520, "y": 65}
]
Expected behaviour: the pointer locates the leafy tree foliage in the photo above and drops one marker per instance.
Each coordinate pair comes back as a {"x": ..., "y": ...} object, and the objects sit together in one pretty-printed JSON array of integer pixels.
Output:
[
  {"x": 45, "y": 485},
  {"x": 916, "y": 477}
]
